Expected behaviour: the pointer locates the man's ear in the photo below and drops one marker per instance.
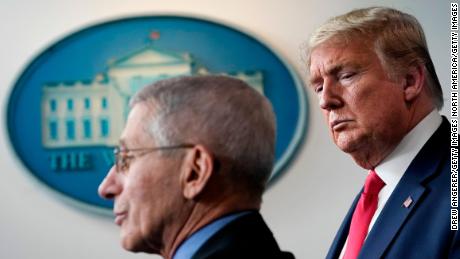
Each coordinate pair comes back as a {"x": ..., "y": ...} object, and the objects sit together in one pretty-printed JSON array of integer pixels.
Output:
[
  {"x": 199, "y": 166},
  {"x": 413, "y": 80}
]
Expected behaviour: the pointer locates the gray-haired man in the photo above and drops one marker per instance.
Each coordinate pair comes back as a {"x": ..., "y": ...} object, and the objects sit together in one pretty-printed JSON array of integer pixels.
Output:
[{"x": 193, "y": 162}]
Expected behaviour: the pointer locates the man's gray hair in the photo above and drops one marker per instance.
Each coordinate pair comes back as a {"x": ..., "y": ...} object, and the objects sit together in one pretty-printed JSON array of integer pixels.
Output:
[
  {"x": 398, "y": 40},
  {"x": 222, "y": 113}
]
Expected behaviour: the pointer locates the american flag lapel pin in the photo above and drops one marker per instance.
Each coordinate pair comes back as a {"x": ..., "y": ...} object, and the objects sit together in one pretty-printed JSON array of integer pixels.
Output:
[{"x": 407, "y": 202}]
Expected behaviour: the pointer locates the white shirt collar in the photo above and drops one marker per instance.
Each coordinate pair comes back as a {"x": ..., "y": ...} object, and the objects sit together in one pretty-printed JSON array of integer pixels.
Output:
[{"x": 392, "y": 168}]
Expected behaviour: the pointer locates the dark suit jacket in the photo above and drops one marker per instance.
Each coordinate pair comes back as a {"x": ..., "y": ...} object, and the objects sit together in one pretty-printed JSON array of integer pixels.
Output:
[
  {"x": 423, "y": 229},
  {"x": 247, "y": 237}
]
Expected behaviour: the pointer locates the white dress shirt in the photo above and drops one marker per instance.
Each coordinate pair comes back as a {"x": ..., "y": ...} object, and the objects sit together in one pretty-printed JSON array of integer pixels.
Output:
[{"x": 392, "y": 168}]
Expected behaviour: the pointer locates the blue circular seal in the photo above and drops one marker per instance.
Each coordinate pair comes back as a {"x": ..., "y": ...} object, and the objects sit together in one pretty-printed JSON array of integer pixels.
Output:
[{"x": 67, "y": 109}]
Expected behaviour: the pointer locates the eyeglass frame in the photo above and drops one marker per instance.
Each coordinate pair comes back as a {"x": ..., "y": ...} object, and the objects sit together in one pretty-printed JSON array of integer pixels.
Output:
[{"x": 122, "y": 161}]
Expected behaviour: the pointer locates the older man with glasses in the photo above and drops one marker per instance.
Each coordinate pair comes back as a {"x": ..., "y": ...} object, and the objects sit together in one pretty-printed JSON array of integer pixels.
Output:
[{"x": 193, "y": 162}]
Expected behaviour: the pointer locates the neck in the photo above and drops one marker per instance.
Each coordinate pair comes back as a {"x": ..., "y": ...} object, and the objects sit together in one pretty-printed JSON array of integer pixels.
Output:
[{"x": 203, "y": 213}]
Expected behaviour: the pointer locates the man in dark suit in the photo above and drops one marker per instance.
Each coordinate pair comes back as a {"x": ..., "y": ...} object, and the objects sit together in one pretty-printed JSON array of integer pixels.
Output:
[
  {"x": 380, "y": 95},
  {"x": 193, "y": 162}
]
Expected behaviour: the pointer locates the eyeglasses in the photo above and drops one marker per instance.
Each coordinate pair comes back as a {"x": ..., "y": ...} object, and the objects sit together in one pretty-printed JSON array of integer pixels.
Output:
[{"x": 122, "y": 160}]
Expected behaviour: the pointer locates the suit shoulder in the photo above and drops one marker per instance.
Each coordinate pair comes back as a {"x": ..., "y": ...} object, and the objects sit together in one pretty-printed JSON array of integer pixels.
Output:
[{"x": 245, "y": 237}]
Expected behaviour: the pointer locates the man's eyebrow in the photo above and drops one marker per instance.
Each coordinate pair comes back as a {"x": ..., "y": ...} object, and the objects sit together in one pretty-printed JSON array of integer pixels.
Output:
[
  {"x": 335, "y": 69},
  {"x": 329, "y": 71},
  {"x": 313, "y": 80},
  {"x": 122, "y": 142}
]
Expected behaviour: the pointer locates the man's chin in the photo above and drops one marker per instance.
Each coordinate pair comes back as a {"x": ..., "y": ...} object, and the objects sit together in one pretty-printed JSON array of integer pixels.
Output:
[
  {"x": 132, "y": 247},
  {"x": 129, "y": 242},
  {"x": 348, "y": 146},
  {"x": 136, "y": 245},
  {"x": 358, "y": 152},
  {"x": 351, "y": 147}
]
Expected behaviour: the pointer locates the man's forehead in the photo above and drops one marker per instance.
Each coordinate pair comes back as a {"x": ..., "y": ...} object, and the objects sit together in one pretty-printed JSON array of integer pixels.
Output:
[
  {"x": 327, "y": 58},
  {"x": 128, "y": 140},
  {"x": 135, "y": 133},
  {"x": 326, "y": 65}
]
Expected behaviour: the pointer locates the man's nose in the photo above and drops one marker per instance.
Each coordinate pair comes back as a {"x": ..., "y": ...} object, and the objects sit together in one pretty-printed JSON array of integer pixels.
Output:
[
  {"x": 330, "y": 97},
  {"x": 110, "y": 186}
]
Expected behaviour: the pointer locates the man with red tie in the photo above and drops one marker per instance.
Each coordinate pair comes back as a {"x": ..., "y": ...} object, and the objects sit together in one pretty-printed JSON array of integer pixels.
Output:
[{"x": 380, "y": 96}]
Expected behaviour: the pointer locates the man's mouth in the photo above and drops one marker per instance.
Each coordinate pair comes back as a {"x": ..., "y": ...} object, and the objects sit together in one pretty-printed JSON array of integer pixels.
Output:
[
  {"x": 339, "y": 124},
  {"x": 120, "y": 217}
]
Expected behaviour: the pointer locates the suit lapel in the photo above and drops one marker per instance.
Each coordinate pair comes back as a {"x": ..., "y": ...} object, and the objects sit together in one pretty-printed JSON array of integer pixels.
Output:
[
  {"x": 411, "y": 186},
  {"x": 391, "y": 219}
]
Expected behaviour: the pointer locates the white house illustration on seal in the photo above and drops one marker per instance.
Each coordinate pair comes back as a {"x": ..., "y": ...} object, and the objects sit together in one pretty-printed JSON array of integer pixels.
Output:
[{"x": 93, "y": 112}]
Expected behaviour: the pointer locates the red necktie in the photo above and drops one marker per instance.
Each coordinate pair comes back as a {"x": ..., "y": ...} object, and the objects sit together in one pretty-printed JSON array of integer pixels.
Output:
[{"x": 362, "y": 215}]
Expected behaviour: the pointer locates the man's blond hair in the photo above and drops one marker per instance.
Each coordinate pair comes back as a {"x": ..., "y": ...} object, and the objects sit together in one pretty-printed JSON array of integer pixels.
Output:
[{"x": 398, "y": 40}]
